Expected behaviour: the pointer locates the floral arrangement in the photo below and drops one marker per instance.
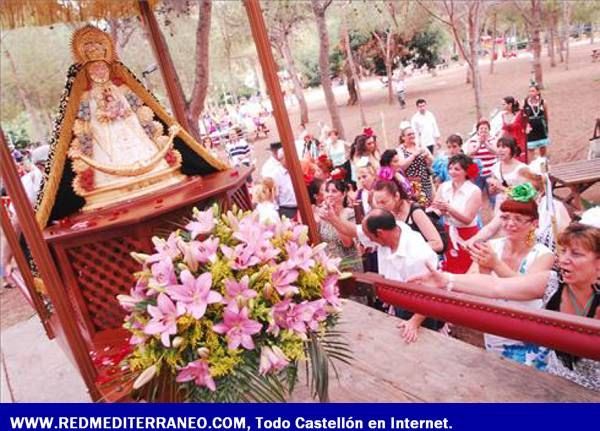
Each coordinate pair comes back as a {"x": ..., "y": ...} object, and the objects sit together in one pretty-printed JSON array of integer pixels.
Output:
[{"x": 227, "y": 307}]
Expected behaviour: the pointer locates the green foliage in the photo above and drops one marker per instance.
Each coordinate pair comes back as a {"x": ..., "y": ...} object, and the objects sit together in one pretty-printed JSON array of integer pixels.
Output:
[{"x": 424, "y": 49}]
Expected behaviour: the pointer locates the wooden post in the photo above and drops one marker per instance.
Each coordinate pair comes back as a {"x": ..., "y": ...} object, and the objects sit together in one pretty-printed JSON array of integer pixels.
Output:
[
  {"x": 269, "y": 69},
  {"x": 166, "y": 66},
  {"x": 13, "y": 241},
  {"x": 45, "y": 264}
]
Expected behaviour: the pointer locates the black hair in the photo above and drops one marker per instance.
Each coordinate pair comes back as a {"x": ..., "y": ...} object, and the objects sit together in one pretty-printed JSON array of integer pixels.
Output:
[
  {"x": 510, "y": 143},
  {"x": 511, "y": 101},
  {"x": 462, "y": 160},
  {"x": 419, "y": 101},
  {"x": 380, "y": 219},
  {"x": 313, "y": 190},
  {"x": 455, "y": 139},
  {"x": 340, "y": 186},
  {"x": 387, "y": 157}
]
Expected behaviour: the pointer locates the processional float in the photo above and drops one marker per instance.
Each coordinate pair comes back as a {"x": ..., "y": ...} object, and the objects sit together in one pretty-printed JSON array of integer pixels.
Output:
[{"x": 122, "y": 170}]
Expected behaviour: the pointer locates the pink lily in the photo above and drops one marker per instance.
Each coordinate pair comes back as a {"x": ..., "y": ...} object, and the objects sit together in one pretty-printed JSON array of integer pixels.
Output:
[
  {"x": 292, "y": 316},
  {"x": 282, "y": 280},
  {"x": 241, "y": 257},
  {"x": 300, "y": 257},
  {"x": 165, "y": 249},
  {"x": 331, "y": 291},
  {"x": 163, "y": 272},
  {"x": 272, "y": 359},
  {"x": 237, "y": 327},
  {"x": 194, "y": 295},
  {"x": 238, "y": 292},
  {"x": 266, "y": 252},
  {"x": 318, "y": 314},
  {"x": 198, "y": 372},
  {"x": 330, "y": 264},
  {"x": 203, "y": 223},
  {"x": 164, "y": 319},
  {"x": 199, "y": 252}
]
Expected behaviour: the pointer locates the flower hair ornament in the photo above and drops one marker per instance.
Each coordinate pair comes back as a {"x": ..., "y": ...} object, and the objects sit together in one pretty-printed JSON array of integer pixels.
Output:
[
  {"x": 369, "y": 133},
  {"x": 472, "y": 171},
  {"x": 522, "y": 193},
  {"x": 388, "y": 174}
]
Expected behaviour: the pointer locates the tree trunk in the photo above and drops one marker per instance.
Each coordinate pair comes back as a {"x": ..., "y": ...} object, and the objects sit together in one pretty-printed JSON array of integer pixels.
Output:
[
  {"x": 567, "y": 25},
  {"x": 493, "y": 59},
  {"x": 474, "y": 18},
  {"x": 385, "y": 48},
  {"x": 196, "y": 104},
  {"x": 352, "y": 66},
  {"x": 319, "y": 13},
  {"x": 551, "y": 40},
  {"x": 388, "y": 66},
  {"x": 536, "y": 46},
  {"x": 36, "y": 129},
  {"x": 561, "y": 45},
  {"x": 286, "y": 53}
]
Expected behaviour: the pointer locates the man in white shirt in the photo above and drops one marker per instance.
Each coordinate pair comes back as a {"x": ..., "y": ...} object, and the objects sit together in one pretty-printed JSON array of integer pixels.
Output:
[
  {"x": 401, "y": 252},
  {"x": 272, "y": 164},
  {"x": 426, "y": 128}
]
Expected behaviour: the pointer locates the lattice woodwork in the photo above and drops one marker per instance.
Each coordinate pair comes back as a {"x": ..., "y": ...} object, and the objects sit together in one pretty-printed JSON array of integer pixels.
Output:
[
  {"x": 241, "y": 198},
  {"x": 103, "y": 270}
]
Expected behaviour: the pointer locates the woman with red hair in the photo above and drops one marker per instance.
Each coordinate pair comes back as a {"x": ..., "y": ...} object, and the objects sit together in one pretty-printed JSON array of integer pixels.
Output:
[{"x": 516, "y": 253}]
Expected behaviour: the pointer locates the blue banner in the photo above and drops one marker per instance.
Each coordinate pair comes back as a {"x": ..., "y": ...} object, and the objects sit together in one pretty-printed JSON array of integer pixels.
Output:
[{"x": 262, "y": 417}]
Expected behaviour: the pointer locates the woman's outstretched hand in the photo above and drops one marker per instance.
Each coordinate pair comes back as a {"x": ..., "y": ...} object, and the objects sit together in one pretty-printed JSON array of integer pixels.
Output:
[{"x": 434, "y": 278}]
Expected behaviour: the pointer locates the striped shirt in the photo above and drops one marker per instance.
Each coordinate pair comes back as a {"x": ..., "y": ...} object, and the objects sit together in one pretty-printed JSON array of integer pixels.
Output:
[
  {"x": 481, "y": 152},
  {"x": 239, "y": 152}
]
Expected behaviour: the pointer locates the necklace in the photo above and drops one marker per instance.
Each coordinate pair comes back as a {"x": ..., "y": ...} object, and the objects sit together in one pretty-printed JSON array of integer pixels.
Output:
[
  {"x": 535, "y": 107},
  {"x": 573, "y": 299}
]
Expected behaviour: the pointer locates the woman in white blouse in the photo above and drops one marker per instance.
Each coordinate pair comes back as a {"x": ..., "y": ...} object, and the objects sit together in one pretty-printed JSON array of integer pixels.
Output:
[
  {"x": 459, "y": 201},
  {"x": 507, "y": 172}
]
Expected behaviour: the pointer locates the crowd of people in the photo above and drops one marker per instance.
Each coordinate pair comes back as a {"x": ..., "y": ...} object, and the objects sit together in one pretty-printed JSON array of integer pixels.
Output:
[{"x": 474, "y": 215}]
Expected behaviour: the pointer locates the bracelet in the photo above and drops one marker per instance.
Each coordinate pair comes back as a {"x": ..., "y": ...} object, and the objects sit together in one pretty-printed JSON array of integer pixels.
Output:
[{"x": 450, "y": 283}]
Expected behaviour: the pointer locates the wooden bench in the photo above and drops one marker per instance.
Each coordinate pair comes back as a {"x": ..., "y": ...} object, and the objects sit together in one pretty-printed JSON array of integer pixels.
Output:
[{"x": 577, "y": 176}]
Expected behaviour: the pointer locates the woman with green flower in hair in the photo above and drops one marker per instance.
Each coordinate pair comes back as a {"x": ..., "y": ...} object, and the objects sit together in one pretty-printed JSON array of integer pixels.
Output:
[{"x": 516, "y": 253}]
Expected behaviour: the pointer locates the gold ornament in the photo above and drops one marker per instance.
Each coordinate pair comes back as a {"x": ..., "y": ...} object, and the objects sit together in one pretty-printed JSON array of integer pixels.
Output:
[{"x": 531, "y": 238}]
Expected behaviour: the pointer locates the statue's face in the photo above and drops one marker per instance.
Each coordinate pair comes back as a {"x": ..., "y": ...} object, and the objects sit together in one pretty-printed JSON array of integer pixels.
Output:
[
  {"x": 99, "y": 72},
  {"x": 94, "y": 50}
]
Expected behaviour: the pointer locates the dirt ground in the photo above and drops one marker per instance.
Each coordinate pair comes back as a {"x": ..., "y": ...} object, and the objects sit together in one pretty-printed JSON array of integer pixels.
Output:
[{"x": 573, "y": 99}]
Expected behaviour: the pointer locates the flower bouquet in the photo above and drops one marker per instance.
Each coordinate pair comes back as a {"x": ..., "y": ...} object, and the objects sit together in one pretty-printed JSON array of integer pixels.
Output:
[{"x": 226, "y": 308}]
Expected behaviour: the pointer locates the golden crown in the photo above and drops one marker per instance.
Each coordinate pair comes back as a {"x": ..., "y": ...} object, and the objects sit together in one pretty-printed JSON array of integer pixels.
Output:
[{"x": 92, "y": 44}]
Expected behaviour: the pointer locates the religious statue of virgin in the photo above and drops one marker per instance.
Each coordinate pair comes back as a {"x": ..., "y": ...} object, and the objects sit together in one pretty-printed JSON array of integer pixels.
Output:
[{"x": 112, "y": 140}]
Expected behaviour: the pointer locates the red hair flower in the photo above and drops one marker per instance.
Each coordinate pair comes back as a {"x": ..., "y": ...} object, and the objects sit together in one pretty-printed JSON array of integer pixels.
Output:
[
  {"x": 368, "y": 132},
  {"x": 472, "y": 171}
]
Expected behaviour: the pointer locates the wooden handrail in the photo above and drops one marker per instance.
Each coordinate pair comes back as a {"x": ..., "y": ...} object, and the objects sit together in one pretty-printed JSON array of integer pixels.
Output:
[{"x": 565, "y": 332}]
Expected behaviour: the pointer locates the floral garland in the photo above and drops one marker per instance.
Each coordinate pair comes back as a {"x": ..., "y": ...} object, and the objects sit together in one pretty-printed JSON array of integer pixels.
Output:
[{"x": 229, "y": 301}]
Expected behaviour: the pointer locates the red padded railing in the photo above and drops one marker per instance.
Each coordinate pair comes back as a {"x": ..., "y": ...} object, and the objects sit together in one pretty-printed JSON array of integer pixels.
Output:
[{"x": 565, "y": 332}]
